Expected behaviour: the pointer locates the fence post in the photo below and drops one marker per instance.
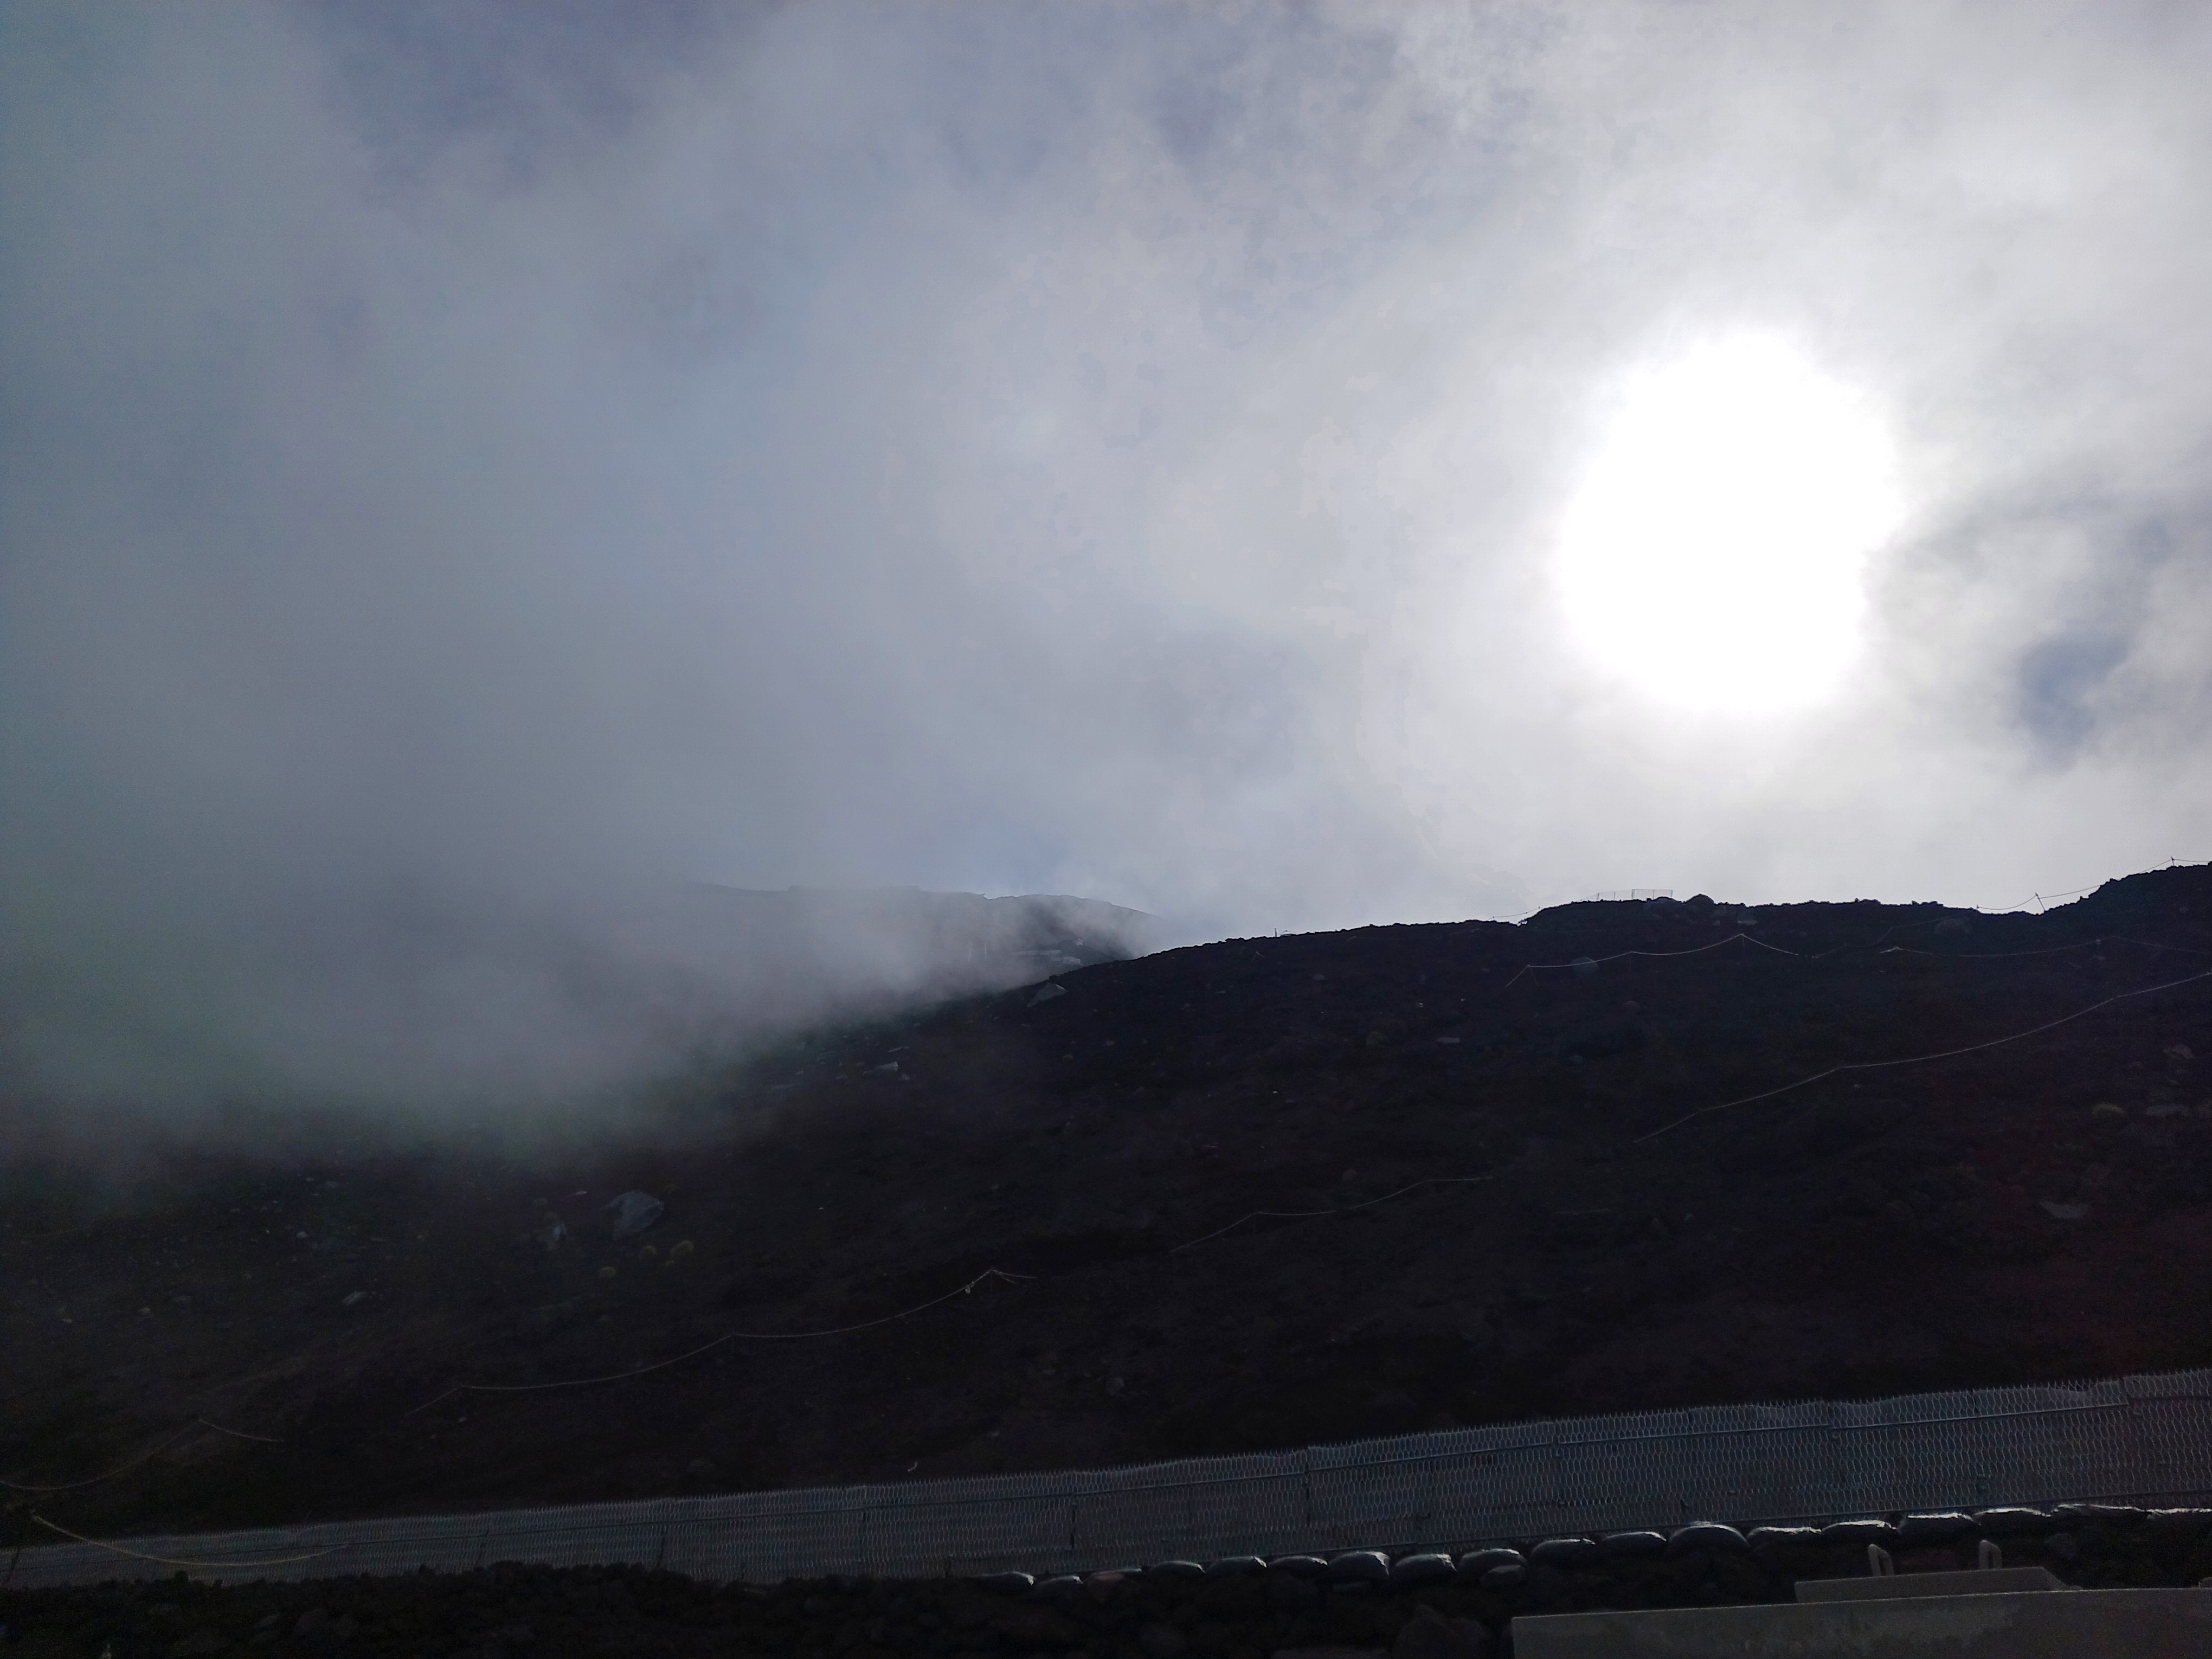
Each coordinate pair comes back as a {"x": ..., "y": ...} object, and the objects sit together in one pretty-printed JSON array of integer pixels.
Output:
[{"x": 2135, "y": 1482}]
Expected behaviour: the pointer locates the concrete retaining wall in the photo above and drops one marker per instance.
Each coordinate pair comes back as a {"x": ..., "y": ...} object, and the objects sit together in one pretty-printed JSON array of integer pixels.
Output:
[{"x": 2142, "y": 1439}]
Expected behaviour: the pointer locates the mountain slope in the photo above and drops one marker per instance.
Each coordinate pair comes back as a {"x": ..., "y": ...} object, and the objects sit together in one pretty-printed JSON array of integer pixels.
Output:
[{"x": 1475, "y": 1209}]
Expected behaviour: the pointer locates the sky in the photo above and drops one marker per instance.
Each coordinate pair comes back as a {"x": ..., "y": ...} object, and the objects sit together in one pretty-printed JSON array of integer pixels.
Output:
[{"x": 1274, "y": 466}]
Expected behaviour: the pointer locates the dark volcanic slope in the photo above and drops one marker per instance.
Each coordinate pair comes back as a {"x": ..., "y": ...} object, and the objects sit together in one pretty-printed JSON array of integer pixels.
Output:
[{"x": 1881, "y": 1230}]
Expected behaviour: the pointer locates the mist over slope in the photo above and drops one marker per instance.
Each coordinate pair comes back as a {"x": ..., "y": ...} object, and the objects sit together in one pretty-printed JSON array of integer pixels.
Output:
[
  {"x": 1254, "y": 1194},
  {"x": 400, "y": 1003}
]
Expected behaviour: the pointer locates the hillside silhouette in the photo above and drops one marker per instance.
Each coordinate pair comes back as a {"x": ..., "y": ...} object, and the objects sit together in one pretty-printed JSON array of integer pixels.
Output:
[{"x": 1253, "y": 1193}]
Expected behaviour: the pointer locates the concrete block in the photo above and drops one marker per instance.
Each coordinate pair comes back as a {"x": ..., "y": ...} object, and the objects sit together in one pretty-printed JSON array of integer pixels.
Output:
[
  {"x": 2126, "y": 1624},
  {"x": 1891, "y": 1587}
]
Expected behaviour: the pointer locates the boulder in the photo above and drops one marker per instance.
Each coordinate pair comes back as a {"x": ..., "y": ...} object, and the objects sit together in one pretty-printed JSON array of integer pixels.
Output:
[
  {"x": 1565, "y": 1552},
  {"x": 1706, "y": 1535}
]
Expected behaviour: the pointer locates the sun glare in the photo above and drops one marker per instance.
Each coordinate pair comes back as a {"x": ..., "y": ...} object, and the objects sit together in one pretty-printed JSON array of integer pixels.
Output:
[{"x": 1714, "y": 556}]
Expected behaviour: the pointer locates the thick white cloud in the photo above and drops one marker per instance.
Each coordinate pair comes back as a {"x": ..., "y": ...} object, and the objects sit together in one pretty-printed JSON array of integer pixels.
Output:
[{"x": 457, "y": 457}]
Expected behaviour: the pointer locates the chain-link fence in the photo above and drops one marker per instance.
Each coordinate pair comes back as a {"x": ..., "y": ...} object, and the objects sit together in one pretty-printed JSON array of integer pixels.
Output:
[{"x": 2148, "y": 1439}]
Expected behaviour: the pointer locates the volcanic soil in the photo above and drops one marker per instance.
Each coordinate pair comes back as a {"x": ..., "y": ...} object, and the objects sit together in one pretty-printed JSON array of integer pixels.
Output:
[{"x": 1256, "y": 1193}]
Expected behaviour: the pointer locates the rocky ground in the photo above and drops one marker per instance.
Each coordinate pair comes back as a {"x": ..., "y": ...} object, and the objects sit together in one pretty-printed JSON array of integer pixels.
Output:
[
  {"x": 1295, "y": 1609},
  {"x": 1474, "y": 1209}
]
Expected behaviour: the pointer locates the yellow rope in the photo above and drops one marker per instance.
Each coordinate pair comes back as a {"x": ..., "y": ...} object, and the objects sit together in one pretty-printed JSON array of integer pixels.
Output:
[
  {"x": 167, "y": 1561},
  {"x": 1922, "y": 1060},
  {"x": 732, "y": 1336}
]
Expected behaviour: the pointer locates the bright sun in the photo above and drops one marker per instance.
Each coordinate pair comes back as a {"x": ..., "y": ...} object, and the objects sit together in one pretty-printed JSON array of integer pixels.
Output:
[{"x": 1714, "y": 556}]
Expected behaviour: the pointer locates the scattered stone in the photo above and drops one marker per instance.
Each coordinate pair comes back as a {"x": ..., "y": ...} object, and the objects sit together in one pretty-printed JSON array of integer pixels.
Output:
[{"x": 634, "y": 1212}]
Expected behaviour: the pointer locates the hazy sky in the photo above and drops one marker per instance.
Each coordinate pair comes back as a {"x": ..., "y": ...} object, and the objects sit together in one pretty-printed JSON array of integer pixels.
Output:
[{"x": 1130, "y": 451}]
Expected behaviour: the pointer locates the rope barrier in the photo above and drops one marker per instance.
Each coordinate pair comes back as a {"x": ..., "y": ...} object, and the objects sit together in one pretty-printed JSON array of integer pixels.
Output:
[
  {"x": 1818, "y": 956},
  {"x": 1921, "y": 1060},
  {"x": 1301, "y": 1215},
  {"x": 167, "y": 1561},
  {"x": 731, "y": 1336},
  {"x": 1695, "y": 949},
  {"x": 1738, "y": 937},
  {"x": 120, "y": 1469},
  {"x": 2047, "y": 951},
  {"x": 144, "y": 1457},
  {"x": 241, "y": 1434}
]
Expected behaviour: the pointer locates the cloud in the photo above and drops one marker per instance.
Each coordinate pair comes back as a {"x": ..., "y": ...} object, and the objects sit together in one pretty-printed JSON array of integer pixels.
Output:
[{"x": 462, "y": 461}]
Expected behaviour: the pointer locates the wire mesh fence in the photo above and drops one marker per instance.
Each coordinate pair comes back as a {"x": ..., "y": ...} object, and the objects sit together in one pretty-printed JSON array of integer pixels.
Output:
[{"x": 2145, "y": 1439}]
